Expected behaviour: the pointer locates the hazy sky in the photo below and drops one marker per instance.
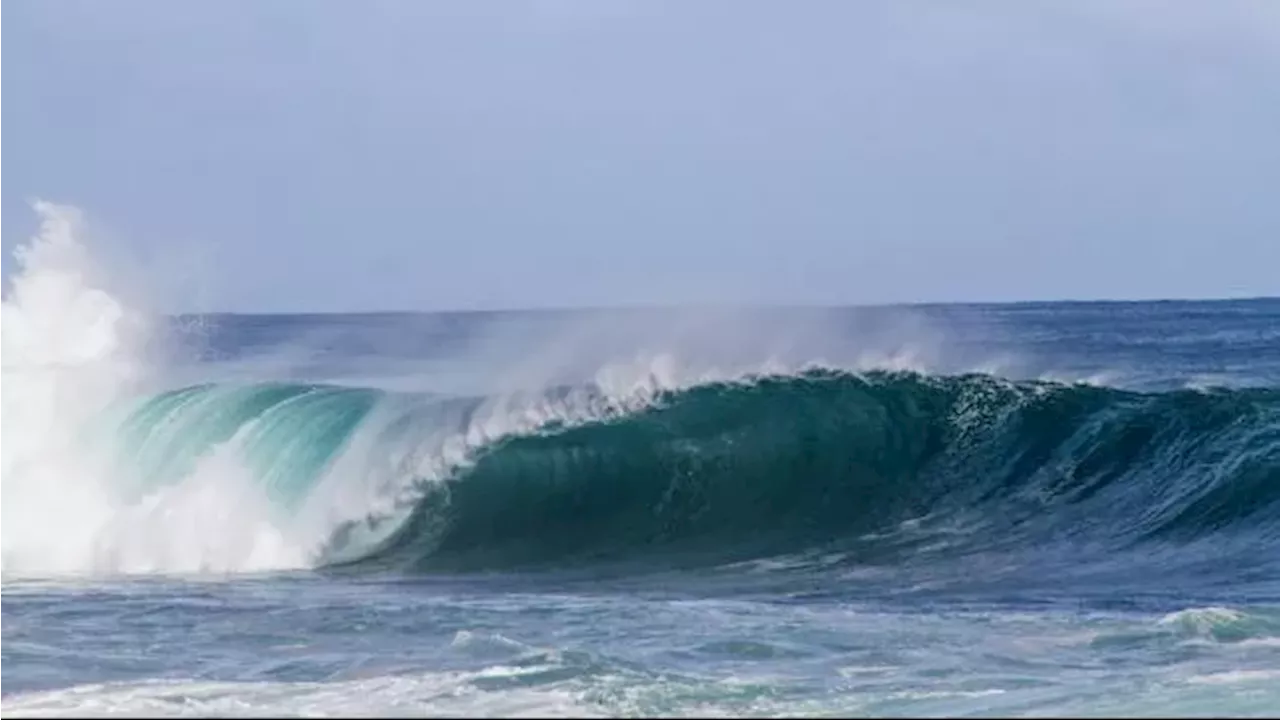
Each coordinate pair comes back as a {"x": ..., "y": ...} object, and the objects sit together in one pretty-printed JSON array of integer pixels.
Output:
[{"x": 322, "y": 155}]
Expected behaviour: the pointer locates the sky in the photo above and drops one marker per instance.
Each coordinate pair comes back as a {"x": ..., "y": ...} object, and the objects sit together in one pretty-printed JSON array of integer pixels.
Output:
[{"x": 285, "y": 156}]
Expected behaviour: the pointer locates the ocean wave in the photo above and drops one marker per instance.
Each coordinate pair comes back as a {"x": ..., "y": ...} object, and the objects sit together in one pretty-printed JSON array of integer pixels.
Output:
[
  {"x": 103, "y": 473},
  {"x": 716, "y": 472},
  {"x": 782, "y": 463}
]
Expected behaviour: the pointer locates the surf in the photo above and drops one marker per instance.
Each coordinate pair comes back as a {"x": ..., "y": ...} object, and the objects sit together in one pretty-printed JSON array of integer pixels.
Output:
[
  {"x": 110, "y": 466},
  {"x": 725, "y": 471}
]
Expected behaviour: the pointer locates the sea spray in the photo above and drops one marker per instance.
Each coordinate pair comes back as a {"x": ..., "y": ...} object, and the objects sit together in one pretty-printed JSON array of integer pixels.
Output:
[
  {"x": 69, "y": 350},
  {"x": 73, "y": 353}
]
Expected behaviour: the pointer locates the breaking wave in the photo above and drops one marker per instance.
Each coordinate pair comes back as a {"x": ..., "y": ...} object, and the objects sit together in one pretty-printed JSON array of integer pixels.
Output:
[{"x": 103, "y": 473}]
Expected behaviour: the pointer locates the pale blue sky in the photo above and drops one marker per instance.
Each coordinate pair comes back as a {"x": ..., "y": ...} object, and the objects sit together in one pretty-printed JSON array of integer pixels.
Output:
[{"x": 291, "y": 156}]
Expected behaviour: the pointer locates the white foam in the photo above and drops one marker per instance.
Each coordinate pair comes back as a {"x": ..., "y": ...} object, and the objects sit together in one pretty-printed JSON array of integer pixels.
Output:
[
  {"x": 1201, "y": 621},
  {"x": 431, "y": 694},
  {"x": 71, "y": 348},
  {"x": 217, "y": 520},
  {"x": 1233, "y": 677}
]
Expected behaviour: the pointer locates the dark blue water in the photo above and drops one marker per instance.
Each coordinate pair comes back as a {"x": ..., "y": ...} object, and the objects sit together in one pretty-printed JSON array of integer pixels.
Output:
[{"x": 1043, "y": 509}]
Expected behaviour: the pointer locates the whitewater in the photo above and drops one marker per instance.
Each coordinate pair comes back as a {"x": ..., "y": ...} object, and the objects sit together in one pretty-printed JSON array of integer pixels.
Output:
[{"x": 1031, "y": 509}]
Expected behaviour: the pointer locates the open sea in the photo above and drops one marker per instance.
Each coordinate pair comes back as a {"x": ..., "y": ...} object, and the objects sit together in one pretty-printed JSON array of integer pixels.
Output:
[{"x": 1039, "y": 509}]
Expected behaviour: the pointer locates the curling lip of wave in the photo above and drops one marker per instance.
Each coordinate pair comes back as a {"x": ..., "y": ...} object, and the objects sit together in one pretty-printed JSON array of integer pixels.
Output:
[{"x": 733, "y": 470}]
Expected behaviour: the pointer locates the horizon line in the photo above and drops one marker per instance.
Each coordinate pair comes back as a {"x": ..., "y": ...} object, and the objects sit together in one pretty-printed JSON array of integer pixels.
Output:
[{"x": 738, "y": 306}]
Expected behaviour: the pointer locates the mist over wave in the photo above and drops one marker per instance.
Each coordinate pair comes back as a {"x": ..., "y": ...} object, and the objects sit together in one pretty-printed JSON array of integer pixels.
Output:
[
  {"x": 121, "y": 457},
  {"x": 714, "y": 439}
]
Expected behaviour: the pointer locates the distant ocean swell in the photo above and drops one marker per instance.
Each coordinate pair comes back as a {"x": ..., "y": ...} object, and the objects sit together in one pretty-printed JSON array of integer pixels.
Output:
[{"x": 729, "y": 470}]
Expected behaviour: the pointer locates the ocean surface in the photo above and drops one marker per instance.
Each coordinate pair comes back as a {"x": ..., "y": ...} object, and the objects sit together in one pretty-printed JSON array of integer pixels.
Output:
[{"x": 1031, "y": 509}]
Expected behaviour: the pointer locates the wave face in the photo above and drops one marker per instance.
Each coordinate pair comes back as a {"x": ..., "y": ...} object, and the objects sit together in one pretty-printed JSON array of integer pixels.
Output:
[
  {"x": 723, "y": 471},
  {"x": 715, "y": 472},
  {"x": 785, "y": 463}
]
